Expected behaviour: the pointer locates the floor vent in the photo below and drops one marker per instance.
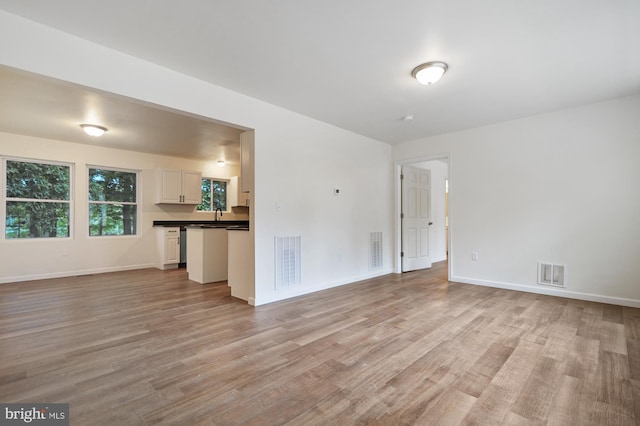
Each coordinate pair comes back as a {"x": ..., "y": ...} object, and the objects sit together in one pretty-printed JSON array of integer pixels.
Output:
[
  {"x": 552, "y": 274},
  {"x": 287, "y": 267},
  {"x": 375, "y": 250}
]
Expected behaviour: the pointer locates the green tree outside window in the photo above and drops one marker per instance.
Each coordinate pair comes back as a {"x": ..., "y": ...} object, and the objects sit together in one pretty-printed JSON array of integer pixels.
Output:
[
  {"x": 214, "y": 195},
  {"x": 37, "y": 199},
  {"x": 112, "y": 202}
]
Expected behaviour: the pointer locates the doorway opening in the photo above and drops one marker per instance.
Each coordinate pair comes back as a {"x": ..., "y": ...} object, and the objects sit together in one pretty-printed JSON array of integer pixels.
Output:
[{"x": 422, "y": 213}]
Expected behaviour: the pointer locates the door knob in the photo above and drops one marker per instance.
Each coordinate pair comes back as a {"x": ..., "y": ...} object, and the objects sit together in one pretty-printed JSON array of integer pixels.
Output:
[{"x": 430, "y": 223}]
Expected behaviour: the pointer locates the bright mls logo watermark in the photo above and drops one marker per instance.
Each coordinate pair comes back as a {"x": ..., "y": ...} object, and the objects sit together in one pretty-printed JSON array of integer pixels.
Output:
[{"x": 34, "y": 414}]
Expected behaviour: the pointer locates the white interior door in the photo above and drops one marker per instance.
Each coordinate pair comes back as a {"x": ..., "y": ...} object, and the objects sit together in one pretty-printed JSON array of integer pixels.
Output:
[{"x": 416, "y": 218}]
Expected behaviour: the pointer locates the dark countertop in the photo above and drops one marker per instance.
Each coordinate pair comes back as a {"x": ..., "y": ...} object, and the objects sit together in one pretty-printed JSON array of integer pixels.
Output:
[
  {"x": 185, "y": 223},
  {"x": 238, "y": 228}
]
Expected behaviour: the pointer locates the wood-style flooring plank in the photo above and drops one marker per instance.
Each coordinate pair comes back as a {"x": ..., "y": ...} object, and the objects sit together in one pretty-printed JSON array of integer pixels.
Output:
[
  {"x": 570, "y": 405},
  {"x": 151, "y": 347}
]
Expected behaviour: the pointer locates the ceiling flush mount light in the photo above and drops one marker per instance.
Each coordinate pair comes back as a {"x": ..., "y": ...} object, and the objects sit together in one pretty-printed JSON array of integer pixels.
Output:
[
  {"x": 93, "y": 130},
  {"x": 221, "y": 163},
  {"x": 430, "y": 72}
]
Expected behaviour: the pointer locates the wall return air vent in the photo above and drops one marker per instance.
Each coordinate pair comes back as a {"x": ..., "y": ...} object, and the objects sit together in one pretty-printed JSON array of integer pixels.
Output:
[
  {"x": 287, "y": 265},
  {"x": 375, "y": 250},
  {"x": 552, "y": 274}
]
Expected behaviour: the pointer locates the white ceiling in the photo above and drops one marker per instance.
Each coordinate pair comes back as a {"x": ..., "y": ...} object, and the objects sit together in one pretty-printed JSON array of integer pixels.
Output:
[
  {"x": 349, "y": 62},
  {"x": 44, "y": 107}
]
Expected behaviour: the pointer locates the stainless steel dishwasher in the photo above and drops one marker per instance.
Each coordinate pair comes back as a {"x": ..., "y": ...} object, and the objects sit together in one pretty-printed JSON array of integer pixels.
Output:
[{"x": 183, "y": 247}]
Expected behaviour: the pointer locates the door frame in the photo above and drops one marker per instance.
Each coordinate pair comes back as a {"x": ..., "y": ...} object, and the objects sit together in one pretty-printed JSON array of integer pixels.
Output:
[{"x": 398, "y": 206}]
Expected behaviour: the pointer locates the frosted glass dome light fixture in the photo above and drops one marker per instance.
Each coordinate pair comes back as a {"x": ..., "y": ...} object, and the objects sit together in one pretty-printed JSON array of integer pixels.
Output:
[
  {"x": 429, "y": 72},
  {"x": 93, "y": 129}
]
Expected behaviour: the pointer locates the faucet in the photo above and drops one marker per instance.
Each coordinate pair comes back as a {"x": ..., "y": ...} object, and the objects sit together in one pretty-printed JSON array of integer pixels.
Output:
[{"x": 216, "y": 213}]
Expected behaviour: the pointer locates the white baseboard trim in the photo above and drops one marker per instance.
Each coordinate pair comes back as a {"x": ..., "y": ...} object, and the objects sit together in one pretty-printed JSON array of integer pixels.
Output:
[
  {"x": 632, "y": 303},
  {"x": 76, "y": 273},
  {"x": 301, "y": 291}
]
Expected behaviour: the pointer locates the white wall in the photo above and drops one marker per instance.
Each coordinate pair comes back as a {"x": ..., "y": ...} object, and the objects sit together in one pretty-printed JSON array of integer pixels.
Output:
[
  {"x": 560, "y": 187},
  {"x": 299, "y": 173},
  {"x": 44, "y": 258},
  {"x": 298, "y": 160}
]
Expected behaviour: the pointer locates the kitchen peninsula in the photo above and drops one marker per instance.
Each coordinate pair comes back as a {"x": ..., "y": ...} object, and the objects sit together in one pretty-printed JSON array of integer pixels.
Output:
[
  {"x": 216, "y": 251},
  {"x": 207, "y": 253},
  {"x": 240, "y": 270}
]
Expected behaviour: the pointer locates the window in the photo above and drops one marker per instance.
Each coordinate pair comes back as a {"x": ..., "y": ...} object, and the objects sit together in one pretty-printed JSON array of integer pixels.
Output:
[
  {"x": 112, "y": 202},
  {"x": 38, "y": 199},
  {"x": 214, "y": 195}
]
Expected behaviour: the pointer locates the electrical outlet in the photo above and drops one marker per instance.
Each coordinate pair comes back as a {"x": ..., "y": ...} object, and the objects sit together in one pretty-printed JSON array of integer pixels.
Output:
[{"x": 474, "y": 256}]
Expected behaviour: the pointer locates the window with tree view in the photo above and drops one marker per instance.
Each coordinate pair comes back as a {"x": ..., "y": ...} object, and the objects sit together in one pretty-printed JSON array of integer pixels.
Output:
[
  {"x": 112, "y": 202},
  {"x": 214, "y": 195},
  {"x": 38, "y": 198}
]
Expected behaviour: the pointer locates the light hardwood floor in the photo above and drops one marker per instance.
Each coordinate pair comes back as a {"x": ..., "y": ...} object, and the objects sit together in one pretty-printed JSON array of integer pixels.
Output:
[{"x": 149, "y": 347}]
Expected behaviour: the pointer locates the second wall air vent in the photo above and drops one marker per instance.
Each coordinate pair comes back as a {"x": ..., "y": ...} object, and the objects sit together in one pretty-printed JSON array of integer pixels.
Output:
[{"x": 552, "y": 274}]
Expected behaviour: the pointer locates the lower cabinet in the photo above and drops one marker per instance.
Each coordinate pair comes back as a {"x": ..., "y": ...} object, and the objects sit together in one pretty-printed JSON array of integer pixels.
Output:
[{"x": 168, "y": 243}]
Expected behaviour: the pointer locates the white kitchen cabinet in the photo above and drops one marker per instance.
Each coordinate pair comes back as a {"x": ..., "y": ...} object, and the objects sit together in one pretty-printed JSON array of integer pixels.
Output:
[
  {"x": 247, "y": 144},
  {"x": 179, "y": 187},
  {"x": 168, "y": 244},
  {"x": 237, "y": 198},
  {"x": 207, "y": 254}
]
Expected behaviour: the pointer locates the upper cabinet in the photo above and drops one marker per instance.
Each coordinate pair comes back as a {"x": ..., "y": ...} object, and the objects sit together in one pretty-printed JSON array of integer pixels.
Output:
[
  {"x": 237, "y": 198},
  {"x": 246, "y": 161},
  {"x": 179, "y": 187}
]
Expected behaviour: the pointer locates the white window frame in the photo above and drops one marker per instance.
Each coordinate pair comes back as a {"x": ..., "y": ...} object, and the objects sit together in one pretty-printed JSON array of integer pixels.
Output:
[
  {"x": 138, "y": 204},
  {"x": 4, "y": 199}
]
